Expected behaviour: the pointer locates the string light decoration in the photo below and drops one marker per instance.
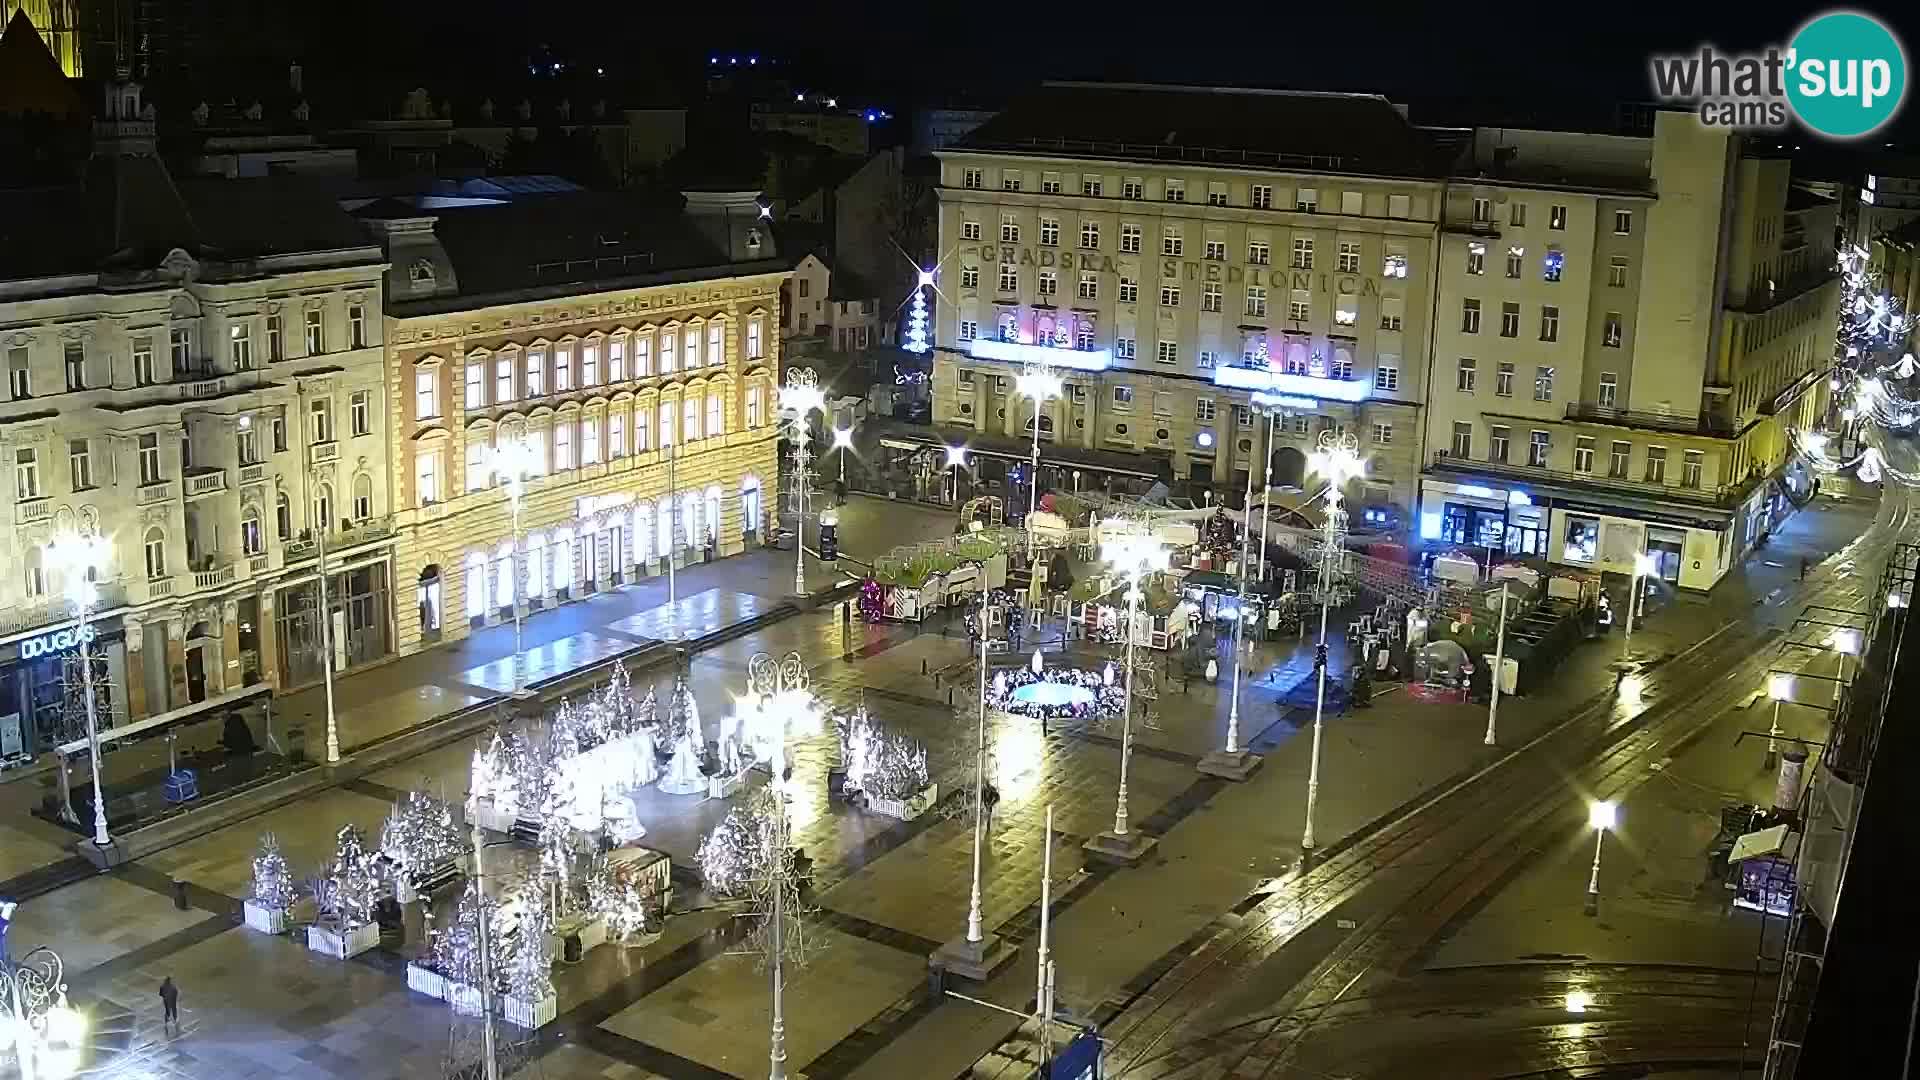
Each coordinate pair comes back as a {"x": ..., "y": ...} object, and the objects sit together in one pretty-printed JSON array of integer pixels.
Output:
[
  {"x": 453, "y": 949},
  {"x": 1103, "y": 696},
  {"x": 353, "y": 885},
  {"x": 917, "y": 341},
  {"x": 685, "y": 735},
  {"x": 272, "y": 878},
  {"x": 626, "y": 897},
  {"x": 420, "y": 835},
  {"x": 529, "y": 966},
  {"x": 734, "y": 858},
  {"x": 881, "y": 763}
]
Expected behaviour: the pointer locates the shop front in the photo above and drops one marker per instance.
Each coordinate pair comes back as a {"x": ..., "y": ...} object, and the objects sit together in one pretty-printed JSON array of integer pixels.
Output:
[
  {"x": 360, "y": 605},
  {"x": 36, "y": 710}
]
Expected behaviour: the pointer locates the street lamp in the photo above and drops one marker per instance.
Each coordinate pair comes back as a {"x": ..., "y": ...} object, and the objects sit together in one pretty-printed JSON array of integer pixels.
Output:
[
  {"x": 956, "y": 459},
  {"x": 1779, "y": 688},
  {"x": 1499, "y": 666},
  {"x": 1643, "y": 567},
  {"x": 1845, "y": 643},
  {"x": 843, "y": 442},
  {"x": 1137, "y": 553},
  {"x": 801, "y": 395},
  {"x": 978, "y": 954},
  {"x": 1602, "y": 816},
  {"x": 42, "y": 1030},
  {"x": 1236, "y": 762},
  {"x": 511, "y": 462},
  {"x": 1038, "y": 383},
  {"x": 1337, "y": 460},
  {"x": 79, "y": 557}
]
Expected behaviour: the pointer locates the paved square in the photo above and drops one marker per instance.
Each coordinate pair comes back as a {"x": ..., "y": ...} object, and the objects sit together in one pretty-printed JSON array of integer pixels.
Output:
[{"x": 569, "y": 653}]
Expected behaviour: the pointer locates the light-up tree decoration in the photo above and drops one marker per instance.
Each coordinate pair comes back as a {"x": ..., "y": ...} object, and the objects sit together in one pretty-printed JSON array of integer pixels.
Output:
[
  {"x": 800, "y": 396},
  {"x": 79, "y": 558},
  {"x": 1037, "y": 383},
  {"x": 917, "y": 339},
  {"x": 1338, "y": 461}
]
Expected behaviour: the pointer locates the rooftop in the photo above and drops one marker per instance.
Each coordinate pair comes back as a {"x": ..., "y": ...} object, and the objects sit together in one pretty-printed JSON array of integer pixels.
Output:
[
  {"x": 1799, "y": 198},
  {"x": 1350, "y": 133}
]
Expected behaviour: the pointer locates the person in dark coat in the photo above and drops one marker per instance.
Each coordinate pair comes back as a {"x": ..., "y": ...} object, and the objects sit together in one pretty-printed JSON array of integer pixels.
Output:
[{"x": 169, "y": 1004}]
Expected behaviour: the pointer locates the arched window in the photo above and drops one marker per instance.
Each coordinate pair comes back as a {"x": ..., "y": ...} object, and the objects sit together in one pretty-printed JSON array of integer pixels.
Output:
[
  {"x": 691, "y": 506},
  {"x": 750, "y": 505},
  {"x": 362, "y": 497},
  {"x": 476, "y": 584},
  {"x": 322, "y": 505},
  {"x": 282, "y": 517},
  {"x": 252, "y": 540},
  {"x": 156, "y": 553}
]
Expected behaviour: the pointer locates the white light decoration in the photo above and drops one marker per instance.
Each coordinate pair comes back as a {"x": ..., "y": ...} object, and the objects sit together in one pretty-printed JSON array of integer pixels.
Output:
[
  {"x": 1136, "y": 553},
  {"x": 800, "y": 396},
  {"x": 1337, "y": 460},
  {"x": 1038, "y": 384},
  {"x": 510, "y": 462},
  {"x": 917, "y": 341},
  {"x": 40, "y": 1030},
  {"x": 81, "y": 558}
]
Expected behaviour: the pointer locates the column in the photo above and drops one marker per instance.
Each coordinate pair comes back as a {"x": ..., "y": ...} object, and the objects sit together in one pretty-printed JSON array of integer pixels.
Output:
[
  {"x": 136, "y": 688},
  {"x": 177, "y": 656},
  {"x": 269, "y": 634},
  {"x": 229, "y": 676}
]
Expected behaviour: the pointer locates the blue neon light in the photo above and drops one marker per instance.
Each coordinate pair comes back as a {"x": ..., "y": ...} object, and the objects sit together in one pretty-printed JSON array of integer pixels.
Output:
[
  {"x": 1014, "y": 352},
  {"x": 1245, "y": 378}
]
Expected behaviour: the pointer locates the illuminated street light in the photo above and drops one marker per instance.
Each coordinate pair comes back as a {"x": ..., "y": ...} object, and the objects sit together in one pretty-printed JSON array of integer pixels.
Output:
[
  {"x": 511, "y": 462},
  {"x": 843, "y": 442},
  {"x": 1338, "y": 461},
  {"x": 42, "y": 1030},
  {"x": 1779, "y": 688},
  {"x": 1601, "y": 816},
  {"x": 80, "y": 558},
  {"x": 1235, "y": 762},
  {"x": 1578, "y": 1001},
  {"x": 1137, "y": 553},
  {"x": 1037, "y": 383},
  {"x": 1644, "y": 566},
  {"x": 1845, "y": 643},
  {"x": 800, "y": 396}
]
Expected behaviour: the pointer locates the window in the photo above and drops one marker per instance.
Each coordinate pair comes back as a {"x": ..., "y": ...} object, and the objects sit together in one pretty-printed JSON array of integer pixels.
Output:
[
  {"x": 1382, "y": 434},
  {"x": 1306, "y": 200},
  {"x": 1083, "y": 337},
  {"x": 1090, "y": 235},
  {"x": 969, "y": 277},
  {"x": 1133, "y": 188},
  {"x": 1476, "y": 258},
  {"x": 1549, "y": 323},
  {"x": 360, "y": 412},
  {"x": 80, "y": 463},
  {"x": 563, "y": 361},
  {"x": 1543, "y": 383},
  {"x": 1175, "y": 191},
  {"x": 1462, "y": 439},
  {"x": 1349, "y": 257},
  {"x": 149, "y": 456},
  {"x": 590, "y": 361},
  {"x": 1216, "y": 194},
  {"x": 502, "y": 380},
  {"x": 1517, "y": 214},
  {"x": 1050, "y": 183},
  {"x": 536, "y": 376},
  {"x": 1399, "y": 206},
  {"x": 1482, "y": 210},
  {"x": 616, "y": 360},
  {"x": 562, "y": 445},
  {"x": 1299, "y": 305},
  {"x": 320, "y": 420},
  {"x": 969, "y": 329},
  {"x": 1129, "y": 291},
  {"x": 1206, "y": 360},
  {"x": 322, "y": 506},
  {"x": 1386, "y": 375},
  {"x": 253, "y": 539},
  {"x": 1009, "y": 278},
  {"x": 362, "y": 505},
  {"x": 476, "y": 380},
  {"x": 1257, "y": 301},
  {"x": 26, "y": 474},
  {"x": 477, "y": 471},
  {"x": 1353, "y": 203},
  {"x": 1050, "y": 232},
  {"x": 1203, "y": 410},
  {"x": 755, "y": 335},
  {"x": 1617, "y": 272},
  {"x": 1130, "y": 239},
  {"x": 1009, "y": 328},
  {"x": 690, "y": 419},
  {"x": 589, "y": 440},
  {"x": 1515, "y": 257},
  {"x": 240, "y": 346},
  {"x": 1583, "y": 453},
  {"x": 971, "y": 178},
  {"x": 180, "y": 349},
  {"x": 1163, "y": 406},
  {"x": 316, "y": 332},
  {"x": 1656, "y": 464},
  {"x": 155, "y": 548},
  {"x": 1260, "y": 196},
  {"x": 1503, "y": 380},
  {"x": 1466, "y": 375},
  {"x": 1609, "y": 388},
  {"x": 1391, "y": 312},
  {"x": 969, "y": 230},
  {"x": 1622, "y": 222},
  {"x": 1169, "y": 296},
  {"x": 1303, "y": 253},
  {"x": 1557, "y": 218},
  {"x": 1090, "y": 186},
  {"x": 1009, "y": 229},
  {"x": 1497, "y": 441},
  {"x": 1509, "y": 320},
  {"x": 1089, "y": 288},
  {"x": 357, "y": 325},
  {"x": 1171, "y": 242},
  {"x": 143, "y": 373},
  {"x": 1346, "y": 309},
  {"x": 1617, "y": 460},
  {"x": 279, "y": 425},
  {"x": 1009, "y": 181},
  {"x": 1610, "y": 330},
  {"x": 1539, "y": 445},
  {"x": 276, "y": 339},
  {"x": 716, "y": 415},
  {"x": 1049, "y": 283},
  {"x": 670, "y": 347},
  {"x": 19, "y": 373},
  {"x": 1125, "y": 348},
  {"x": 1123, "y": 397},
  {"x": 1469, "y": 316},
  {"x": 1216, "y": 250},
  {"x": 1394, "y": 263},
  {"x": 1259, "y": 253},
  {"x": 1169, "y": 352},
  {"x": 1692, "y": 464},
  {"x": 1210, "y": 294}
]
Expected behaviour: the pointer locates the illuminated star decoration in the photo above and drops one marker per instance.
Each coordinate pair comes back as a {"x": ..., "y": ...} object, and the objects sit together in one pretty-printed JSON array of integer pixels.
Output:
[{"x": 917, "y": 341}]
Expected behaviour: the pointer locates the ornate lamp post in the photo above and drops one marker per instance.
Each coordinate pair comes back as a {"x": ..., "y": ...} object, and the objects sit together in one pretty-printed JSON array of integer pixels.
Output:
[
  {"x": 79, "y": 557},
  {"x": 801, "y": 395},
  {"x": 1235, "y": 762},
  {"x": 41, "y": 1029},
  {"x": 956, "y": 459},
  {"x": 511, "y": 462},
  {"x": 843, "y": 442},
  {"x": 1338, "y": 461},
  {"x": 1602, "y": 816},
  {"x": 1138, "y": 554},
  {"x": 1038, "y": 383}
]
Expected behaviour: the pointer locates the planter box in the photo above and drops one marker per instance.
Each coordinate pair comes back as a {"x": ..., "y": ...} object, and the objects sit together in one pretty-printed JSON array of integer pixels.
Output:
[
  {"x": 464, "y": 999},
  {"x": 532, "y": 1014},
  {"x": 343, "y": 944},
  {"x": 724, "y": 787},
  {"x": 905, "y": 809},
  {"x": 426, "y": 981},
  {"x": 592, "y": 930},
  {"x": 267, "y": 920}
]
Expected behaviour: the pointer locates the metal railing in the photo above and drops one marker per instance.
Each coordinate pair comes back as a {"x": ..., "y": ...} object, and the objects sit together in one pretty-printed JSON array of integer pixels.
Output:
[
  {"x": 1165, "y": 152},
  {"x": 1679, "y": 423},
  {"x": 206, "y": 482},
  {"x": 51, "y": 611},
  {"x": 213, "y": 579},
  {"x": 1443, "y": 460}
]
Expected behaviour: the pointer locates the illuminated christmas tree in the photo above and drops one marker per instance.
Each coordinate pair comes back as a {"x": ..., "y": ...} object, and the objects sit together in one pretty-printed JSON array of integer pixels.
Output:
[{"x": 917, "y": 341}]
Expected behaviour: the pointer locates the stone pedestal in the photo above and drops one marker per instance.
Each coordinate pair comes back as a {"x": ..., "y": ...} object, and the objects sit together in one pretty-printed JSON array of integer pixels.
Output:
[
  {"x": 1237, "y": 765},
  {"x": 975, "y": 960},
  {"x": 267, "y": 920},
  {"x": 1125, "y": 850}
]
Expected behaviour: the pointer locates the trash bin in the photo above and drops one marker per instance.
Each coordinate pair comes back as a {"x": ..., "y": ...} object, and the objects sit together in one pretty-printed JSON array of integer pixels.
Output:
[
  {"x": 570, "y": 950},
  {"x": 179, "y": 889}
]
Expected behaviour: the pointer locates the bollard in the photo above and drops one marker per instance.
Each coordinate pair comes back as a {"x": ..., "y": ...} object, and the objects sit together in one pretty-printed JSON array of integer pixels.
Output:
[
  {"x": 949, "y": 695},
  {"x": 936, "y": 680},
  {"x": 570, "y": 950},
  {"x": 179, "y": 889},
  {"x": 923, "y": 665}
]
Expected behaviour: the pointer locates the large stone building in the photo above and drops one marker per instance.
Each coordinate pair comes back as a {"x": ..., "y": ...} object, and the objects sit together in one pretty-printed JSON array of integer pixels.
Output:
[
  {"x": 1175, "y": 250},
  {"x": 194, "y": 372},
  {"x": 635, "y": 348}
]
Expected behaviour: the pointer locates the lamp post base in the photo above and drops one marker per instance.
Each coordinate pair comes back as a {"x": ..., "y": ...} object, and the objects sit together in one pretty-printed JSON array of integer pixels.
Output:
[
  {"x": 1593, "y": 904},
  {"x": 1231, "y": 765},
  {"x": 104, "y": 857},
  {"x": 975, "y": 960},
  {"x": 1128, "y": 850}
]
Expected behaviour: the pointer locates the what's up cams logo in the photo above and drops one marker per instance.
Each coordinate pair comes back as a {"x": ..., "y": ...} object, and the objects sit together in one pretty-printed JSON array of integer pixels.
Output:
[{"x": 1843, "y": 76}]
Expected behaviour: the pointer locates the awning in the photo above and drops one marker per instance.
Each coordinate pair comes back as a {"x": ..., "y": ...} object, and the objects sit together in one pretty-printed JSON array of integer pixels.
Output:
[{"x": 174, "y": 716}]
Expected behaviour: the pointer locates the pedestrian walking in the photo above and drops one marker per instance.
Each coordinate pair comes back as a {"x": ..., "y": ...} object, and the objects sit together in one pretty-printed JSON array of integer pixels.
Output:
[
  {"x": 989, "y": 798},
  {"x": 1803, "y": 568},
  {"x": 169, "y": 1004}
]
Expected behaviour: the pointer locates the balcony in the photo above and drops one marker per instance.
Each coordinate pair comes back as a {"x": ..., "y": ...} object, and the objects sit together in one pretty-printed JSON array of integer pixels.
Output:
[
  {"x": 355, "y": 534},
  {"x": 33, "y": 511},
  {"x": 1251, "y": 374},
  {"x": 1706, "y": 424},
  {"x": 1724, "y": 495},
  {"x": 215, "y": 577},
  {"x": 157, "y": 492},
  {"x": 259, "y": 564},
  {"x": 52, "y": 611},
  {"x": 196, "y": 383},
  {"x": 253, "y": 474},
  {"x": 159, "y": 588},
  {"x": 322, "y": 452},
  {"x": 205, "y": 481}
]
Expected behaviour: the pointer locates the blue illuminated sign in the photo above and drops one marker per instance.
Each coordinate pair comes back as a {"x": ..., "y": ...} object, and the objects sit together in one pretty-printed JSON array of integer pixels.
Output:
[
  {"x": 1284, "y": 401},
  {"x": 55, "y": 641},
  {"x": 1246, "y": 378},
  {"x": 1015, "y": 352}
]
